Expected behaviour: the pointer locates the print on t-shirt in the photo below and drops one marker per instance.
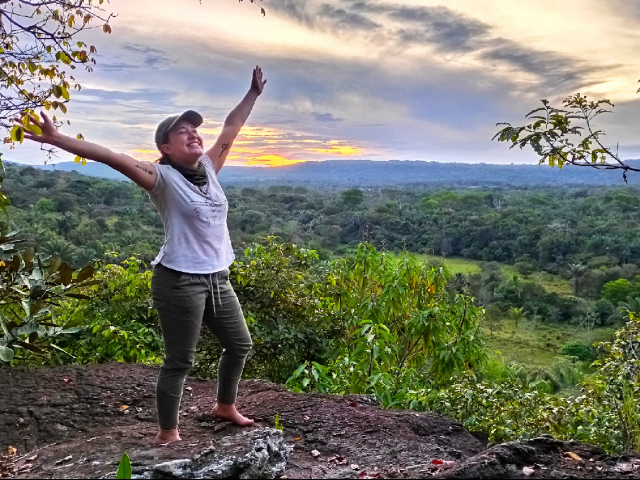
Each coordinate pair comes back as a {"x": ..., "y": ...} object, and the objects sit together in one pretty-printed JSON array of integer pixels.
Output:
[
  {"x": 213, "y": 209},
  {"x": 210, "y": 211}
]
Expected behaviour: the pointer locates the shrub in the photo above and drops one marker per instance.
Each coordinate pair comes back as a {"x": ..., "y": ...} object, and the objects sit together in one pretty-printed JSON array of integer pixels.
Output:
[
  {"x": 30, "y": 289},
  {"x": 618, "y": 290},
  {"x": 605, "y": 412},
  {"x": 399, "y": 326},
  {"x": 525, "y": 268},
  {"x": 579, "y": 350},
  {"x": 119, "y": 322}
]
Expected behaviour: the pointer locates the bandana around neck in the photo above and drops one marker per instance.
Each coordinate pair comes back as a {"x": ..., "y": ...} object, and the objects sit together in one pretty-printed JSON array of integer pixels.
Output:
[{"x": 197, "y": 176}]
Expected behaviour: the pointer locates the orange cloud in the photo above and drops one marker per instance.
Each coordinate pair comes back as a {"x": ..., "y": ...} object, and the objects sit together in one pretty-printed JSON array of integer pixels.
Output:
[
  {"x": 145, "y": 155},
  {"x": 272, "y": 147},
  {"x": 245, "y": 150},
  {"x": 338, "y": 150},
  {"x": 272, "y": 161}
]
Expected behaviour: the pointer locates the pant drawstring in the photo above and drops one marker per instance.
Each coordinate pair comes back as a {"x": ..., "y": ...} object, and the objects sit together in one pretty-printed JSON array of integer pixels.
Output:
[
  {"x": 218, "y": 285},
  {"x": 213, "y": 297}
]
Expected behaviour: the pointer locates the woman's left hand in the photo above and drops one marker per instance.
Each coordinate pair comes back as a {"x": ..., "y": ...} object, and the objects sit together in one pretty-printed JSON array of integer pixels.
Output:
[{"x": 257, "y": 84}]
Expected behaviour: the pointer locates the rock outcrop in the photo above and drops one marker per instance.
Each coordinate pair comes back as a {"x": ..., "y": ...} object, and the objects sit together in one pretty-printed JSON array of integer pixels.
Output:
[
  {"x": 76, "y": 422},
  {"x": 260, "y": 453}
]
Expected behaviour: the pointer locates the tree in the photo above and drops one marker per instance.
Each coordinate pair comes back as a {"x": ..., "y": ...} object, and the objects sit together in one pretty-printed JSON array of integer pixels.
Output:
[
  {"x": 492, "y": 317},
  {"x": 630, "y": 305},
  {"x": 39, "y": 45},
  {"x": 589, "y": 319},
  {"x": 556, "y": 135},
  {"x": 516, "y": 314},
  {"x": 352, "y": 197},
  {"x": 617, "y": 291},
  {"x": 576, "y": 272}
]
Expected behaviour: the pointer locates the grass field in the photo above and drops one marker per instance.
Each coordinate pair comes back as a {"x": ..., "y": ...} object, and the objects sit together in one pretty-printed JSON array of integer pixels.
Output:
[
  {"x": 551, "y": 283},
  {"x": 537, "y": 345},
  {"x": 534, "y": 345}
]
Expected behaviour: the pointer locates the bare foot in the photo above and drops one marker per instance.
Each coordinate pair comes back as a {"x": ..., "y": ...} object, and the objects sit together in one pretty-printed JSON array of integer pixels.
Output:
[
  {"x": 229, "y": 413},
  {"x": 166, "y": 437}
]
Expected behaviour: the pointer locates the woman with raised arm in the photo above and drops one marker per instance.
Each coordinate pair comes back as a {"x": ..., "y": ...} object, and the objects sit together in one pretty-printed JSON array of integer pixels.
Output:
[{"x": 190, "y": 283}]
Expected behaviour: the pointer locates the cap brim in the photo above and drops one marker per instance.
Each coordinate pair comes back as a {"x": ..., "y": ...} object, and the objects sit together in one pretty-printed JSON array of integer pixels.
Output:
[{"x": 191, "y": 116}]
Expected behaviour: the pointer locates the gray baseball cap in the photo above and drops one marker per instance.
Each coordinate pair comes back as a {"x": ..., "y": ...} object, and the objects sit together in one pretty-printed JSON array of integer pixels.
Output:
[{"x": 162, "y": 132}]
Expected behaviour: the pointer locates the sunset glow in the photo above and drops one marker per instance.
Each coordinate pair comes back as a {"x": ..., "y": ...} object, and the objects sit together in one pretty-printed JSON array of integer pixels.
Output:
[
  {"x": 272, "y": 161},
  {"x": 275, "y": 147},
  {"x": 338, "y": 150}
]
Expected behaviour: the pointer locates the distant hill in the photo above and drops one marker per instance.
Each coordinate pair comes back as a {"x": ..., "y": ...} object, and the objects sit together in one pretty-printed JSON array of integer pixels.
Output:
[
  {"x": 92, "y": 169},
  {"x": 365, "y": 173}
]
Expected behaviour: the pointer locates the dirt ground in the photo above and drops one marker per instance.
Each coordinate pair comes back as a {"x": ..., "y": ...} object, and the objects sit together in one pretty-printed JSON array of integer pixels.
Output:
[{"x": 75, "y": 422}]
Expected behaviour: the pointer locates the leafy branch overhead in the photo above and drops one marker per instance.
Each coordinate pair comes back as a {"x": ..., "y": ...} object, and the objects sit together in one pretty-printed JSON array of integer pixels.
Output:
[
  {"x": 39, "y": 46},
  {"x": 561, "y": 136}
]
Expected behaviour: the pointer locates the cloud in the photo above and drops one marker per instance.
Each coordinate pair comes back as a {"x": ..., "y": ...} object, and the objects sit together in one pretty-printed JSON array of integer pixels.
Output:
[
  {"x": 341, "y": 18},
  {"x": 401, "y": 27},
  {"x": 139, "y": 57},
  {"x": 387, "y": 78},
  {"x": 326, "y": 117},
  {"x": 296, "y": 10},
  {"x": 148, "y": 95},
  {"x": 439, "y": 25}
]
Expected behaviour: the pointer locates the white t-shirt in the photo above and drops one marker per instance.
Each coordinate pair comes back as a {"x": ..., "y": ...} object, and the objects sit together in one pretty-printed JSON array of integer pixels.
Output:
[{"x": 195, "y": 222}]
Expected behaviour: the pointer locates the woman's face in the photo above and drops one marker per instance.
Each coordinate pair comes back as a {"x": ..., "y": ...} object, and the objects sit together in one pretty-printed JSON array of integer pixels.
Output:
[{"x": 185, "y": 145}]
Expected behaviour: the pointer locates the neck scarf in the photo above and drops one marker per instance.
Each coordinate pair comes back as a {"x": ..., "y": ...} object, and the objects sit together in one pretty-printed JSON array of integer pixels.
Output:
[{"x": 197, "y": 176}]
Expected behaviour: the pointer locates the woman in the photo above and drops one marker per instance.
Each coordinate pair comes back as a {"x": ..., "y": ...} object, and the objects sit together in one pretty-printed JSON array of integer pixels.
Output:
[{"x": 190, "y": 283}]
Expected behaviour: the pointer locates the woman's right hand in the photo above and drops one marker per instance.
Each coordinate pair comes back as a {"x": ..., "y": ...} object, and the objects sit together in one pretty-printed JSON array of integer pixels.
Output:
[{"x": 49, "y": 133}]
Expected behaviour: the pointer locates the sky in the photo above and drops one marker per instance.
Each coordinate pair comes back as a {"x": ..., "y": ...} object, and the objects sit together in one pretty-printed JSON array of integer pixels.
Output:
[{"x": 355, "y": 80}]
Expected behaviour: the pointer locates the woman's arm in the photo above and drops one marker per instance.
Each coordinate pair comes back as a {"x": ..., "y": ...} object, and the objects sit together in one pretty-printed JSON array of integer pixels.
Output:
[
  {"x": 142, "y": 173},
  {"x": 235, "y": 120}
]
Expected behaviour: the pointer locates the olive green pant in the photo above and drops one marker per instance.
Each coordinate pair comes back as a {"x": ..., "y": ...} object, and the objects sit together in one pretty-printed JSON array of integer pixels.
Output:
[{"x": 184, "y": 302}]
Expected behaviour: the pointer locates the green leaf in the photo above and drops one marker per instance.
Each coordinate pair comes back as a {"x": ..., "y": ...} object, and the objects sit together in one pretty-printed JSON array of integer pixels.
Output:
[
  {"x": 27, "y": 329},
  {"x": 85, "y": 273},
  {"x": 17, "y": 134},
  {"x": 31, "y": 347},
  {"x": 28, "y": 255},
  {"x": 57, "y": 91},
  {"x": 37, "y": 307},
  {"x": 65, "y": 93},
  {"x": 6, "y": 354},
  {"x": 76, "y": 321},
  {"x": 56, "y": 261},
  {"x": 124, "y": 469},
  {"x": 66, "y": 274}
]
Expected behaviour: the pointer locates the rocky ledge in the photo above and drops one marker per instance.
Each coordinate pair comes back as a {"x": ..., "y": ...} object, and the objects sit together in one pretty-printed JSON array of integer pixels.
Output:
[{"x": 76, "y": 422}]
